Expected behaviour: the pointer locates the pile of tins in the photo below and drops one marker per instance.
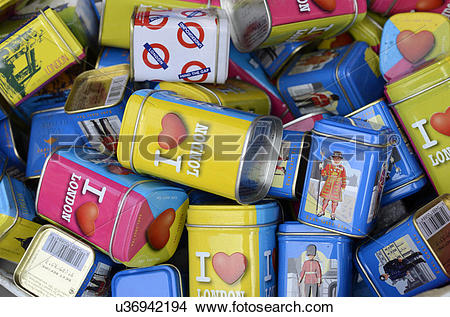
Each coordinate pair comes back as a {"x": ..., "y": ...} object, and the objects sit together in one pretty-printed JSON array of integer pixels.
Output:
[{"x": 180, "y": 125}]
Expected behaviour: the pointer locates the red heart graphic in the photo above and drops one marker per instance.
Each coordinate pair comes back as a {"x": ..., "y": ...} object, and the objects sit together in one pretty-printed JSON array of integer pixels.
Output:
[
  {"x": 415, "y": 46},
  {"x": 327, "y": 5},
  {"x": 86, "y": 215},
  {"x": 158, "y": 233},
  {"x": 173, "y": 131},
  {"x": 428, "y": 5},
  {"x": 230, "y": 268},
  {"x": 441, "y": 122}
]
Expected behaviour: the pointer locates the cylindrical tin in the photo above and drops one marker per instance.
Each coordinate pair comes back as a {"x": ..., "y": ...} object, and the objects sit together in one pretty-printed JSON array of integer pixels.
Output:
[
  {"x": 236, "y": 94},
  {"x": 391, "y": 7},
  {"x": 420, "y": 102},
  {"x": 232, "y": 250},
  {"x": 111, "y": 56},
  {"x": 185, "y": 144},
  {"x": 368, "y": 30},
  {"x": 313, "y": 262},
  {"x": 262, "y": 23},
  {"x": 17, "y": 213},
  {"x": 339, "y": 81},
  {"x": 306, "y": 122},
  {"x": 180, "y": 45},
  {"x": 410, "y": 41},
  {"x": 115, "y": 30},
  {"x": 58, "y": 265},
  {"x": 34, "y": 54},
  {"x": 344, "y": 181},
  {"x": 291, "y": 167},
  {"x": 156, "y": 281},
  {"x": 13, "y": 142},
  {"x": 412, "y": 257},
  {"x": 406, "y": 176},
  {"x": 137, "y": 221}
]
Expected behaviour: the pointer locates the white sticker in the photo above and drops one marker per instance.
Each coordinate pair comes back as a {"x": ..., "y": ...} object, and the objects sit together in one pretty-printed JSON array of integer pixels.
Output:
[
  {"x": 434, "y": 220},
  {"x": 116, "y": 89},
  {"x": 66, "y": 251}
]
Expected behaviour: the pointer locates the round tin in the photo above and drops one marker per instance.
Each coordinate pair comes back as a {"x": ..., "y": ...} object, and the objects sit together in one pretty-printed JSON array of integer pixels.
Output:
[
  {"x": 313, "y": 262},
  {"x": 156, "y": 281},
  {"x": 232, "y": 249},
  {"x": 185, "y": 141}
]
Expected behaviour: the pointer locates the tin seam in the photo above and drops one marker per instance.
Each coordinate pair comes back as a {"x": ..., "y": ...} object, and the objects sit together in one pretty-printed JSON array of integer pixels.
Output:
[
  {"x": 355, "y": 17},
  {"x": 332, "y": 230},
  {"x": 4, "y": 168},
  {"x": 217, "y": 44},
  {"x": 229, "y": 226},
  {"x": 350, "y": 140},
  {"x": 405, "y": 184},
  {"x": 16, "y": 217},
  {"x": 390, "y": 8},
  {"x": 339, "y": 80},
  {"x": 212, "y": 93},
  {"x": 420, "y": 92},
  {"x": 363, "y": 108},
  {"x": 307, "y": 234},
  {"x": 306, "y": 116}
]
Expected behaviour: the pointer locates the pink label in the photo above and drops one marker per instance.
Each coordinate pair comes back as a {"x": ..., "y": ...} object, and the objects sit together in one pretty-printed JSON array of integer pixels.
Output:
[{"x": 437, "y": 6}]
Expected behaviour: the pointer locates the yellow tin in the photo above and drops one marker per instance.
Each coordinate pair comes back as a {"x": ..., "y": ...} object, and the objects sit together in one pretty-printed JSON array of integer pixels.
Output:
[
  {"x": 33, "y": 55},
  {"x": 236, "y": 94},
  {"x": 232, "y": 250},
  {"x": 369, "y": 30},
  {"x": 420, "y": 101}
]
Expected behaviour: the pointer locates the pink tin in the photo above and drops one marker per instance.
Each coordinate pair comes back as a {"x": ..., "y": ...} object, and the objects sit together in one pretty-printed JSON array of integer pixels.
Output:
[{"x": 391, "y": 7}]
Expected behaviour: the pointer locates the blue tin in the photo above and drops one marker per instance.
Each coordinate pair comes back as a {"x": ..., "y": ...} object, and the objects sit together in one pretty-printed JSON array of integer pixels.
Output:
[
  {"x": 412, "y": 257},
  {"x": 291, "y": 168},
  {"x": 199, "y": 197},
  {"x": 273, "y": 59},
  {"x": 111, "y": 56},
  {"x": 155, "y": 281},
  {"x": 339, "y": 80},
  {"x": 313, "y": 262},
  {"x": 406, "y": 177},
  {"x": 13, "y": 142},
  {"x": 345, "y": 176}
]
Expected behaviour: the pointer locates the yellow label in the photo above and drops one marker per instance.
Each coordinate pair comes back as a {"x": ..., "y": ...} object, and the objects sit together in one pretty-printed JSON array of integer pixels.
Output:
[{"x": 373, "y": 61}]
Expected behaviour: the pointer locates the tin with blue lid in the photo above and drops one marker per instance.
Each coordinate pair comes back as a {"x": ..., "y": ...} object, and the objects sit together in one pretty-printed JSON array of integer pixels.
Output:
[
  {"x": 339, "y": 80},
  {"x": 344, "y": 180},
  {"x": 406, "y": 177},
  {"x": 155, "y": 281},
  {"x": 13, "y": 142},
  {"x": 111, "y": 56},
  {"x": 313, "y": 262},
  {"x": 413, "y": 256}
]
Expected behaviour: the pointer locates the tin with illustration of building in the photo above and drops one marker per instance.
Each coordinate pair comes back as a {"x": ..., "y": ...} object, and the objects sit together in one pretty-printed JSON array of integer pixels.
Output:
[
  {"x": 232, "y": 249},
  {"x": 413, "y": 256},
  {"x": 313, "y": 262},
  {"x": 347, "y": 167},
  {"x": 56, "y": 264}
]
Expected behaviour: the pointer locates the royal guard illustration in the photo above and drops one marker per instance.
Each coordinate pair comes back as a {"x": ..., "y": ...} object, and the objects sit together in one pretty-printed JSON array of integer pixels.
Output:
[
  {"x": 311, "y": 272},
  {"x": 334, "y": 184},
  {"x": 400, "y": 267}
]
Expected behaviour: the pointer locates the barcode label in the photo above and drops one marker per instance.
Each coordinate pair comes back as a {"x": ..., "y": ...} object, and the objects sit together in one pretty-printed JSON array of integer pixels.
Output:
[
  {"x": 434, "y": 220},
  {"x": 116, "y": 89},
  {"x": 66, "y": 251}
]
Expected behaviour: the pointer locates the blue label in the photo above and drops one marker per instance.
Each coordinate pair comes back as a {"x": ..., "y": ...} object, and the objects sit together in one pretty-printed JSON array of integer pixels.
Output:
[
  {"x": 155, "y": 55},
  {"x": 190, "y": 35}
]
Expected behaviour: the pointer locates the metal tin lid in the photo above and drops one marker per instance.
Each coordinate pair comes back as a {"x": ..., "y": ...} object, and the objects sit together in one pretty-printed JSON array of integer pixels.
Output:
[
  {"x": 296, "y": 228},
  {"x": 264, "y": 213},
  {"x": 155, "y": 281},
  {"x": 352, "y": 130}
]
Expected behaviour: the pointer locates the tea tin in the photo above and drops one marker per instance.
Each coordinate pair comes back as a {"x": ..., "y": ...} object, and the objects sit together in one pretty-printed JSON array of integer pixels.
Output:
[
  {"x": 391, "y": 7},
  {"x": 115, "y": 30},
  {"x": 413, "y": 256},
  {"x": 236, "y": 94},
  {"x": 291, "y": 167},
  {"x": 262, "y": 23},
  {"x": 111, "y": 56},
  {"x": 179, "y": 45},
  {"x": 185, "y": 143},
  {"x": 13, "y": 137},
  {"x": 345, "y": 176},
  {"x": 156, "y": 281},
  {"x": 313, "y": 262},
  {"x": 16, "y": 217},
  {"x": 136, "y": 220},
  {"x": 339, "y": 80},
  {"x": 244, "y": 67},
  {"x": 306, "y": 122},
  {"x": 34, "y": 54},
  {"x": 411, "y": 41},
  {"x": 420, "y": 103},
  {"x": 369, "y": 30},
  {"x": 58, "y": 265},
  {"x": 406, "y": 176},
  {"x": 232, "y": 250}
]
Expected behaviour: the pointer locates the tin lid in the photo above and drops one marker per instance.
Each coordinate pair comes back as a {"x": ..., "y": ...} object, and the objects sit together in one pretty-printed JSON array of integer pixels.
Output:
[
  {"x": 191, "y": 91},
  {"x": 220, "y": 215},
  {"x": 353, "y": 130},
  {"x": 155, "y": 281},
  {"x": 297, "y": 228}
]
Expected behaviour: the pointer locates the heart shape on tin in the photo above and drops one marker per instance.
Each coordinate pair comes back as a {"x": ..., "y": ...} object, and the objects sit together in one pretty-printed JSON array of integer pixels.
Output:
[
  {"x": 327, "y": 5},
  {"x": 230, "y": 268},
  {"x": 441, "y": 122},
  {"x": 86, "y": 214},
  {"x": 158, "y": 233},
  {"x": 173, "y": 132},
  {"x": 415, "y": 46}
]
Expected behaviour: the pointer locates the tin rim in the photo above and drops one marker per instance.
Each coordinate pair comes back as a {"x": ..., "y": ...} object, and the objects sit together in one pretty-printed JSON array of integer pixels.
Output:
[
  {"x": 304, "y": 117},
  {"x": 16, "y": 217},
  {"x": 231, "y": 226},
  {"x": 300, "y": 157},
  {"x": 364, "y": 108},
  {"x": 132, "y": 21},
  {"x": 391, "y": 6},
  {"x": 102, "y": 20},
  {"x": 288, "y": 59},
  {"x": 332, "y": 230},
  {"x": 350, "y": 140},
  {"x": 338, "y": 79},
  {"x": 310, "y": 234},
  {"x": 405, "y": 184},
  {"x": 420, "y": 92},
  {"x": 46, "y": 110},
  {"x": 355, "y": 17}
]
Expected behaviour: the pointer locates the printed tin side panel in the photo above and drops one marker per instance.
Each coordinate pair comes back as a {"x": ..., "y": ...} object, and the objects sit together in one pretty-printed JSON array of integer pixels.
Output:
[
  {"x": 110, "y": 56},
  {"x": 98, "y": 280}
]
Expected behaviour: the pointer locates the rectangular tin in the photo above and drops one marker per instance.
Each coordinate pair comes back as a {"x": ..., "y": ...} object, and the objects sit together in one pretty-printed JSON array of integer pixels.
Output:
[
  {"x": 344, "y": 180},
  {"x": 35, "y": 54},
  {"x": 77, "y": 184},
  {"x": 58, "y": 265},
  {"x": 406, "y": 176},
  {"x": 111, "y": 56},
  {"x": 369, "y": 30},
  {"x": 313, "y": 262},
  {"x": 391, "y": 7},
  {"x": 413, "y": 256},
  {"x": 338, "y": 80},
  {"x": 180, "y": 45},
  {"x": 420, "y": 102},
  {"x": 263, "y": 23},
  {"x": 185, "y": 144},
  {"x": 232, "y": 250},
  {"x": 13, "y": 141},
  {"x": 236, "y": 94}
]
